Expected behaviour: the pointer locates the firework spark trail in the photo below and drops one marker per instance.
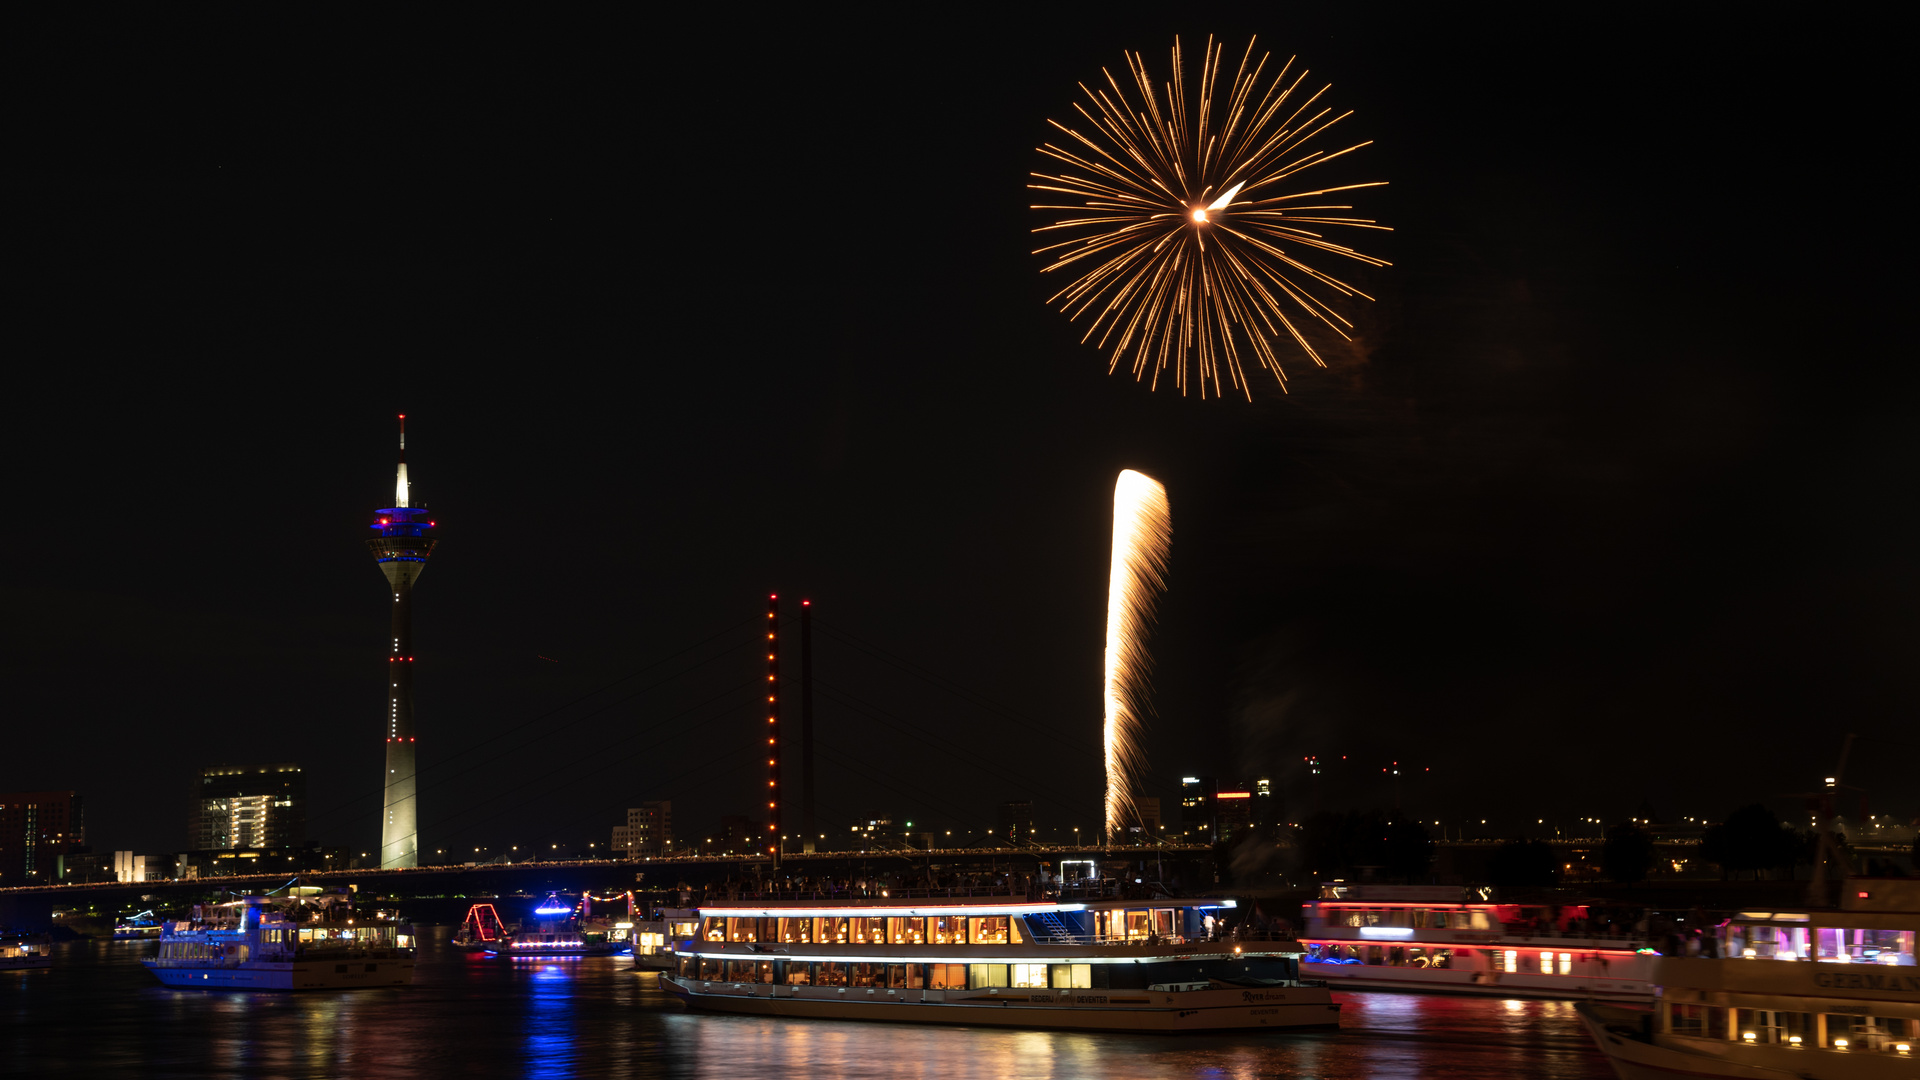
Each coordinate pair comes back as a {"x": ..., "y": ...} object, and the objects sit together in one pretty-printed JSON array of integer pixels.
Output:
[
  {"x": 1142, "y": 533},
  {"x": 1186, "y": 252}
]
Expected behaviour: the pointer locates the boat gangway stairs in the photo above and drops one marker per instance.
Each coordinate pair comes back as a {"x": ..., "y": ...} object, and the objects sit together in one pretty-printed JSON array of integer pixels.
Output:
[{"x": 1055, "y": 928}]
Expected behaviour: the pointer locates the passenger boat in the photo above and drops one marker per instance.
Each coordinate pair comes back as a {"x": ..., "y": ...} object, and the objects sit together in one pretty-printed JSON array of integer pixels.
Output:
[
  {"x": 20, "y": 952},
  {"x": 561, "y": 931},
  {"x": 1818, "y": 994},
  {"x": 1103, "y": 964},
  {"x": 136, "y": 928},
  {"x": 1400, "y": 937},
  {"x": 259, "y": 943}
]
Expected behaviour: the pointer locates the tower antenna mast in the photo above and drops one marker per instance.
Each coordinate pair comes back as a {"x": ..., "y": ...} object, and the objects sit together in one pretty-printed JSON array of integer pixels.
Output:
[{"x": 403, "y": 539}]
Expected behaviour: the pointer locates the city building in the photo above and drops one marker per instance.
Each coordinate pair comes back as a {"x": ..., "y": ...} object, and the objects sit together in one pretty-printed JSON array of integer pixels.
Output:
[
  {"x": 1232, "y": 809},
  {"x": 1014, "y": 822},
  {"x": 739, "y": 835},
  {"x": 883, "y": 830},
  {"x": 240, "y": 862},
  {"x": 1265, "y": 812},
  {"x": 247, "y": 806},
  {"x": 1211, "y": 811},
  {"x": 36, "y": 829},
  {"x": 81, "y": 868},
  {"x": 1197, "y": 808},
  {"x": 130, "y": 867},
  {"x": 648, "y": 832},
  {"x": 1148, "y": 808},
  {"x": 402, "y": 542}
]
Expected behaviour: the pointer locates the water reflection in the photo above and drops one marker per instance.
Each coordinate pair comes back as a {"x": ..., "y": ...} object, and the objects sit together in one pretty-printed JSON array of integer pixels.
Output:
[
  {"x": 1383, "y": 1035},
  {"x": 472, "y": 1015},
  {"x": 549, "y": 1039}
]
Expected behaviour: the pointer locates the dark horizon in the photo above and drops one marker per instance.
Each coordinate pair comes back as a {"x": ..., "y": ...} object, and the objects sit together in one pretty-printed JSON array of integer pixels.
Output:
[{"x": 1604, "y": 506}]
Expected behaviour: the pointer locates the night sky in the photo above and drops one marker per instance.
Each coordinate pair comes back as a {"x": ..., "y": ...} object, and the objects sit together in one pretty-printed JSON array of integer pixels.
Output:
[{"x": 1609, "y": 502}]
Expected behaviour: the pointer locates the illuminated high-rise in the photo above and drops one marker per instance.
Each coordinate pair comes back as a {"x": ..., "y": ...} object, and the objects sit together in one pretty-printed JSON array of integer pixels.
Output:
[
  {"x": 404, "y": 538},
  {"x": 247, "y": 806}
]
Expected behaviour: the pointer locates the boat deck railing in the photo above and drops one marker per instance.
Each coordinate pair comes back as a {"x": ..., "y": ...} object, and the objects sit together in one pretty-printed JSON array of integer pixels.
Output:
[
  {"x": 888, "y": 895},
  {"x": 280, "y": 957},
  {"x": 1096, "y": 890}
]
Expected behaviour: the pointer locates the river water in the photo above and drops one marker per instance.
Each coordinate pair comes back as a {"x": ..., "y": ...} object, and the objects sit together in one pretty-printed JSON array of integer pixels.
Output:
[{"x": 98, "y": 1012}]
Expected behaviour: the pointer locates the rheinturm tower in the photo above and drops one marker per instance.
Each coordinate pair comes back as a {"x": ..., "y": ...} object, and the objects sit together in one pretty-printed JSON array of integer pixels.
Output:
[{"x": 404, "y": 540}]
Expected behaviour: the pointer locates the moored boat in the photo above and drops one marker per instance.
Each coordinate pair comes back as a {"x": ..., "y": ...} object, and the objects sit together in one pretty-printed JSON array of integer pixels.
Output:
[
  {"x": 924, "y": 957},
  {"x": 22, "y": 951},
  {"x": 1818, "y": 994},
  {"x": 560, "y": 930},
  {"x": 136, "y": 928},
  {"x": 260, "y": 943},
  {"x": 1459, "y": 940}
]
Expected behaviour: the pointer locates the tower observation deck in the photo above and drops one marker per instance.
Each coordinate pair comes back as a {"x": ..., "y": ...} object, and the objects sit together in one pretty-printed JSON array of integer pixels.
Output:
[{"x": 403, "y": 539}]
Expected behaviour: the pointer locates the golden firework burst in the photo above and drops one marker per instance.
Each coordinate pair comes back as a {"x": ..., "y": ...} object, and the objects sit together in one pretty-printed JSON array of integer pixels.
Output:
[{"x": 1189, "y": 222}]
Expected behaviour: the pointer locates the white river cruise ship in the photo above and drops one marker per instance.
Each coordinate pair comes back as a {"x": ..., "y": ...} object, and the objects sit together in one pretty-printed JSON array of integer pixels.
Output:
[
  {"x": 942, "y": 956},
  {"x": 1433, "y": 938}
]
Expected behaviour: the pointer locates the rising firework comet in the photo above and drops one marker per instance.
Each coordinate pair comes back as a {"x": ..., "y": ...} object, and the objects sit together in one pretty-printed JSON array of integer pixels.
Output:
[
  {"x": 1142, "y": 532},
  {"x": 1189, "y": 219}
]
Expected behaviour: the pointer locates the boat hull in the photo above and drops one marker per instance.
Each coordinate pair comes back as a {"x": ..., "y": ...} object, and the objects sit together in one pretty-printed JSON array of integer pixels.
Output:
[
  {"x": 300, "y": 975},
  {"x": 1637, "y": 1059},
  {"x": 14, "y": 963},
  {"x": 1227, "y": 1009},
  {"x": 1488, "y": 983}
]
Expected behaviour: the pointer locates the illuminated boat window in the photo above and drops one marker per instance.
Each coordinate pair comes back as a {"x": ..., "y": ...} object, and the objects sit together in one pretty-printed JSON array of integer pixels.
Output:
[
  {"x": 1029, "y": 976},
  {"x": 946, "y": 976},
  {"x": 989, "y": 930},
  {"x": 1070, "y": 976},
  {"x": 982, "y": 976}
]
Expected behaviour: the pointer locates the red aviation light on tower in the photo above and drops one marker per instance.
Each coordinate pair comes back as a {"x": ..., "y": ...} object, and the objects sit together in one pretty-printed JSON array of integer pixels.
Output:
[{"x": 773, "y": 726}]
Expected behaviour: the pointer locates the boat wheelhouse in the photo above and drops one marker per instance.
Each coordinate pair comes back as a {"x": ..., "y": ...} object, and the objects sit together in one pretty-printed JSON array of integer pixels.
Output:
[
  {"x": 259, "y": 943},
  {"x": 654, "y": 938},
  {"x": 1428, "y": 938},
  {"x": 1158, "y": 965},
  {"x": 1810, "y": 992}
]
